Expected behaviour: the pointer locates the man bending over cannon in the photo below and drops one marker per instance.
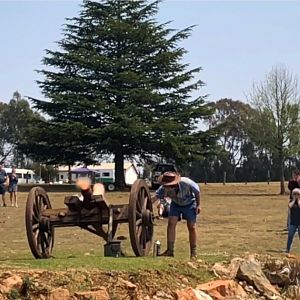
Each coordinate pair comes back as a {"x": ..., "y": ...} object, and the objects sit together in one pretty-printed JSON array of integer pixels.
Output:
[{"x": 185, "y": 195}]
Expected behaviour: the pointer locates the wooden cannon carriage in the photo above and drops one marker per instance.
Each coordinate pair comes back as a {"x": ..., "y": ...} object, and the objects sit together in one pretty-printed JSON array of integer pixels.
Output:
[{"x": 92, "y": 213}]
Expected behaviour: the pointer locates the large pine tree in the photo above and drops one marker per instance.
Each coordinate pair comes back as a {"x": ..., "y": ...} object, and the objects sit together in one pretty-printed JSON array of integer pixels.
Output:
[{"x": 118, "y": 86}]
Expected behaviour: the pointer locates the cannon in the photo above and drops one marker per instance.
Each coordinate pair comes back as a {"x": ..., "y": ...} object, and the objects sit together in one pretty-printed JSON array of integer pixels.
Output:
[{"x": 92, "y": 213}]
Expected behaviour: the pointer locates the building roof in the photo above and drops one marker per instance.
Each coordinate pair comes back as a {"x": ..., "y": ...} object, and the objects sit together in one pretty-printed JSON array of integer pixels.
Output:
[{"x": 103, "y": 166}]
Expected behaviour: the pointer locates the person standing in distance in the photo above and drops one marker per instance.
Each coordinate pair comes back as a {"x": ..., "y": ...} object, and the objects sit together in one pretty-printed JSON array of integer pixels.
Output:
[
  {"x": 13, "y": 187},
  {"x": 185, "y": 195},
  {"x": 294, "y": 183},
  {"x": 294, "y": 224},
  {"x": 3, "y": 178}
]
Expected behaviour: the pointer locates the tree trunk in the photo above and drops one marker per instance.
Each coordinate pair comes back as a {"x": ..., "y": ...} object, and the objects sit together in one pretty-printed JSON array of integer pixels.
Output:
[
  {"x": 119, "y": 170},
  {"x": 234, "y": 173},
  {"x": 224, "y": 178},
  {"x": 69, "y": 174},
  {"x": 282, "y": 188}
]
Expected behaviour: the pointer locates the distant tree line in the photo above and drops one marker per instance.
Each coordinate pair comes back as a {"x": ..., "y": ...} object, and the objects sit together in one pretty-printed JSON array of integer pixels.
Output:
[{"x": 259, "y": 141}]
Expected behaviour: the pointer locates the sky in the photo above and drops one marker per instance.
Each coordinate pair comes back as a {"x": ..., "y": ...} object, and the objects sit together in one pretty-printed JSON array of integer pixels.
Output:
[{"x": 235, "y": 42}]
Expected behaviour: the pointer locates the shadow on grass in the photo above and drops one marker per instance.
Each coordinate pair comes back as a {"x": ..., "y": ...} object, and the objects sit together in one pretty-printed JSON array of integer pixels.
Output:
[{"x": 278, "y": 251}]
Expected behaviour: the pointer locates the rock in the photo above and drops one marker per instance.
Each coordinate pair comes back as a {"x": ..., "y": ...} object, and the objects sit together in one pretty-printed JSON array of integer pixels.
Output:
[
  {"x": 292, "y": 293},
  {"x": 293, "y": 270},
  {"x": 7, "y": 274},
  {"x": 250, "y": 270},
  {"x": 96, "y": 288},
  {"x": 9, "y": 283},
  {"x": 274, "y": 264},
  {"x": 101, "y": 294},
  {"x": 278, "y": 272},
  {"x": 128, "y": 284},
  {"x": 229, "y": 272},
  {"x": 160, "y": 295},
  {"x": 58, "y": 294},
  {"x": 220, "y": 270},
  {"x": 234, "y": 266},
  {"x": 291, "y": 256},
  {"x": 185, "y": 280},
  {"x": 191, "y": 294},
  {"x": 223, "y": 289},
  {"x": 281, "y": 278},
  {"x": 192, "y": 265},
  {"x": 145, "y": 298},
  {"x": 249, "y": 288},
  {"x": 131, "y": 287}
]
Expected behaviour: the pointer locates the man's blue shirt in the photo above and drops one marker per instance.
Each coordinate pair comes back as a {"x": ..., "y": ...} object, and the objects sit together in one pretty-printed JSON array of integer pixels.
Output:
[{"x": 186, "y": 194}]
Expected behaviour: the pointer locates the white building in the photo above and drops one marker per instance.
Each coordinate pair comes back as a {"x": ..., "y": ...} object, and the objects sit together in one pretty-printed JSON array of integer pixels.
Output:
[
  {"x": 104, "y": 173},
  {"x": 24, "y": 175}
]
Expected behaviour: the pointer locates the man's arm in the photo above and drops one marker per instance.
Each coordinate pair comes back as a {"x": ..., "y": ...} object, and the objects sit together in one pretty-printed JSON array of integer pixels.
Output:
[
  {"x": 197, "y": 197},
  {"x": 198, "y": 208},
  {"x": 159, "y": 194},
  {"x": 292, "y": 202},
  {"x": 196, "y": 190}
]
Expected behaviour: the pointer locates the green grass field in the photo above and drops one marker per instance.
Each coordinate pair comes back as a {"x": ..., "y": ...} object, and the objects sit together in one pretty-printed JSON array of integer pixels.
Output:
[{"x": 235, "y": 219}]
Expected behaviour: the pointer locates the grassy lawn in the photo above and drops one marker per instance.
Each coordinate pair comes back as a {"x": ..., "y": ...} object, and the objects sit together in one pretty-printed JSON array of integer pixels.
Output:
[{"x": 235, "y": 219}]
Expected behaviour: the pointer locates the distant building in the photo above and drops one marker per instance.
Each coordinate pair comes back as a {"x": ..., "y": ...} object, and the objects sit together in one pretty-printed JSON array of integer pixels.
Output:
[
  {"x": 103, "y": 173},
  {"x": 25, "y": 176}
]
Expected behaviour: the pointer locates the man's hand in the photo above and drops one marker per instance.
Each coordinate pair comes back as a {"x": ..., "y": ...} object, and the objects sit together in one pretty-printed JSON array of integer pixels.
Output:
[{"x": 198, "y": 210}]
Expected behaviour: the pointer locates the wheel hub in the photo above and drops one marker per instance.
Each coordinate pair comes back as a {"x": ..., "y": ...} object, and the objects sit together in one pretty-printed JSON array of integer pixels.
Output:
[
  {"x": 147, "y": 217},
  {"x": 44, "y": 224}
]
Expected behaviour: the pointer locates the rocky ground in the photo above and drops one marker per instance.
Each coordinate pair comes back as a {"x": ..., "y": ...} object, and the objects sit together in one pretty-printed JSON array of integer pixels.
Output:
[{"x": 249, "y": 277}]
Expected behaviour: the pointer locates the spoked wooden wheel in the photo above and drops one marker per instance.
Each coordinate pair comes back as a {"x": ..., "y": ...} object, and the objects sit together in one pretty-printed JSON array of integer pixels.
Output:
[
  {"x": 40, "y": 233},
  {"x": 140, "y": 218}
]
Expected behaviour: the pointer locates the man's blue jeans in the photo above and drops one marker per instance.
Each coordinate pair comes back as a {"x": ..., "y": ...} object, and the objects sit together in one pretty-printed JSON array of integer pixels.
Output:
[{"x": 292, "y": 231}]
